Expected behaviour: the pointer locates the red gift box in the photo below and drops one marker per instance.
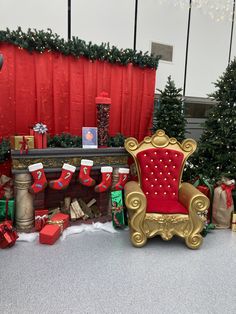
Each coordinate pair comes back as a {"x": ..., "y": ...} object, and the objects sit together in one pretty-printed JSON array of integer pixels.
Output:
[
  {"x": 8, "y": 235},
  {"x": 40, "y": 140},
  {"x": 63, "y": 217},
  {"x": 204, "y": 189},
  {"x": 41, "y": 217},
  {"x": 51, "y": 232}
]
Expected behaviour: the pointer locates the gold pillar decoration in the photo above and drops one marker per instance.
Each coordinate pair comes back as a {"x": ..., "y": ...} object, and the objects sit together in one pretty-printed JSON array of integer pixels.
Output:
[{"x": 24, "y": 202}]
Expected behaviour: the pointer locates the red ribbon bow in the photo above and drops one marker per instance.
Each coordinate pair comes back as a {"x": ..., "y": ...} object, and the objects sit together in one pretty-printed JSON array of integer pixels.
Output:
[
  {"x": 24, "y": 145},
  {"x": 228, "y": 190}
]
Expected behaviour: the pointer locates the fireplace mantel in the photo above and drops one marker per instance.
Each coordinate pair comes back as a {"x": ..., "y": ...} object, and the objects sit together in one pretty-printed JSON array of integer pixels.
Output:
[{"x": 53, "y": 158}]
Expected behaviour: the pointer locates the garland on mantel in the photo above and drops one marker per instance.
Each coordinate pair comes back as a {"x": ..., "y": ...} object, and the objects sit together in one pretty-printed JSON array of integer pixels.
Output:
[{"x": 39, "y": 40}]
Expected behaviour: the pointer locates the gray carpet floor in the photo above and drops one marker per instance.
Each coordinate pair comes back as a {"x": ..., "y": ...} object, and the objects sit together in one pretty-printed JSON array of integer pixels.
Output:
[{"x": 102, "y": 273}]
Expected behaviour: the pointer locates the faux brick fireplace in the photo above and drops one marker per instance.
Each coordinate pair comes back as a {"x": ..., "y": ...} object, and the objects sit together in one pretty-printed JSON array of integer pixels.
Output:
[{"x": 53, "y": 159}]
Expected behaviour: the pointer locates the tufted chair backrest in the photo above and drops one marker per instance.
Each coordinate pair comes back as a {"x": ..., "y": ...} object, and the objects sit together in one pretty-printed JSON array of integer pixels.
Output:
[
  {"x": 160, "y": 170},
  {"x": 159, "y": 162}
]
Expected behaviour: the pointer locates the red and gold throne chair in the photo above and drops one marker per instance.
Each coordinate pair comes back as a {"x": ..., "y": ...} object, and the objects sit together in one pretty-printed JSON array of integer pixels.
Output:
[{"x": 160, "y": 203}]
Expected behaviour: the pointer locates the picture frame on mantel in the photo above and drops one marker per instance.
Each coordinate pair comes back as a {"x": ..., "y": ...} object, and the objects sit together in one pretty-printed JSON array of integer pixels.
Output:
[{"x": 89, "y": 137}]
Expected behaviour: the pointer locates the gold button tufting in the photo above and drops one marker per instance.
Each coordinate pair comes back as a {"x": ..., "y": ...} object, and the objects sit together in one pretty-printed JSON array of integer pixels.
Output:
[
  {"x": 160, "y": 172},
  {"x": 146, "y": 179},
  {"x": 165, "y": 193},
  {"x": 165, "y": 179}
]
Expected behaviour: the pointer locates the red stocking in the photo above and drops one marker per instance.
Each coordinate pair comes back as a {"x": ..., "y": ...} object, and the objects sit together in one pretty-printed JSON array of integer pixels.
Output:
[
  {"x": 40, "y": 181},
  {"x": 64, "y": 180},
  {"x": 123, "y": 178},
  {"x": 84, "y": 173},
  {"x": 106, "y": 179}
]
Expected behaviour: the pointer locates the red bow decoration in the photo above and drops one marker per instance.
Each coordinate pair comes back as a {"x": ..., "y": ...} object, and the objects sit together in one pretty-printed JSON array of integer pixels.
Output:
[
  {"x": 24, "y": 145},
  {"x": 8, "y": 235},
  {"x": 228, "y": 190}
]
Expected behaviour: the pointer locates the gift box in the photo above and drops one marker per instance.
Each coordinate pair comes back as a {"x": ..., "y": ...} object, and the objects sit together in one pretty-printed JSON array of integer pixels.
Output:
[
  {"x": 22, "y": 142},
  {"x": 40, "y": 140},
  {"x": 207, "y": 189},
  {"x": 7, "y": 209},
  {"x": 8, "y": 235},
  {"x": 61, "y": 217},
  {"x": 118, "y": 213},
  {"x": 41, "y": 217},
  {"x": 54, "y": 227},
  {"x": 50, "y": 234},
  {"x": 233, "y": 226},
  {"x": 39, "y": 131}
]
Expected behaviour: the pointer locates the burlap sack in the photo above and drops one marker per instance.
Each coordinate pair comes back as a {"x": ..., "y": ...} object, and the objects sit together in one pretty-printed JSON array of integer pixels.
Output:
[
  {"x": 6, "y": 187},
  {"x": 221, "y": 214}
]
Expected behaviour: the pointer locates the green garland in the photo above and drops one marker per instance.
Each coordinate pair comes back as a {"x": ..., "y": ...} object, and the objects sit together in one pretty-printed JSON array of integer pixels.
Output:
[
  {"x": 67, "y": 140},
  {"x": 41, "y": 41}
]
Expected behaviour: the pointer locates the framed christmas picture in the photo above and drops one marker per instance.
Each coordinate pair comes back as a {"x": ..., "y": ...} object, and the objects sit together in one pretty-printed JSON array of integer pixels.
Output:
[{"x": 89, "y": 137}]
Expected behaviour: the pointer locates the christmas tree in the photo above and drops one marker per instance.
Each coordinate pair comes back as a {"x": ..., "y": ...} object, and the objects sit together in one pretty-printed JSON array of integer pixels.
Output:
[
  {"x": 216, "y": 156},
  {"x": 169, "y": 115}
]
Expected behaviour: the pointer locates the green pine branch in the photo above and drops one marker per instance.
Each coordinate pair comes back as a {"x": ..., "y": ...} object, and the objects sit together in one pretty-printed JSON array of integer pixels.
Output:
[{"x": 40, "y": 41}]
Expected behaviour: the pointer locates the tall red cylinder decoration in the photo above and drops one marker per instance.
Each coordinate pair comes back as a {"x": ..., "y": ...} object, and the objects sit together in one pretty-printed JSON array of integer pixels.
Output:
[{"x": 103, "y": 103}]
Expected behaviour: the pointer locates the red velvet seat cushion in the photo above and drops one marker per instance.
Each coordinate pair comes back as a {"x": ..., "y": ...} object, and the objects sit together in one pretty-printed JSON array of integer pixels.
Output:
[{"x": 165, "y": 206}]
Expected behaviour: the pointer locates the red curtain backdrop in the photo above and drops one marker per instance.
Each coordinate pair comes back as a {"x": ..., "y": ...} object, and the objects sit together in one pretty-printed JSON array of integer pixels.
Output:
[{"x": 60, "y": 91}]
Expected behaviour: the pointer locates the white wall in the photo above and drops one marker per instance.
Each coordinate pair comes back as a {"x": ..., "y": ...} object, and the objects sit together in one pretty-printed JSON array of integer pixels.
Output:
[
  {"x": 164, "y": 24},
  {"x": 104, "y": 21},
  {"x": 39, "y": 14},
  {"x": 113, "y": 21},
  {"x": 208, "y": 53}
]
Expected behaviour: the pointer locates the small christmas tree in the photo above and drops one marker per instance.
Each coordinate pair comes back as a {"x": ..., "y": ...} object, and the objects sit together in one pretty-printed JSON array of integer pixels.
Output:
[
  {"x": 169, "y": 115},
  {"x": 216, "y": 156}
]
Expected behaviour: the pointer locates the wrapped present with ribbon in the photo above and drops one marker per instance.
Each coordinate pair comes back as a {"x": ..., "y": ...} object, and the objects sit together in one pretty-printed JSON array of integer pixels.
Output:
[
  {"x": 233, "y": 225},
  {"x": 8, "y": 235},
  {"x": 7, "y": 209},
  {"x": 223, "y": 205},
  {"x": 203, "y": 185},
  {"x": 41, "y": 218},
  {"x": 23, "y": 143},
  {"x": 39, "y": 130},
  {"x": 54, "y": 227},
  {"x": 118, "y": 213}
]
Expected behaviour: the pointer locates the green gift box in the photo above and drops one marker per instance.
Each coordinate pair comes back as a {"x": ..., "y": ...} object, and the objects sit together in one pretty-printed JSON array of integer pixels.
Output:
[
  {"x": 118, "y": 214},
  {"x": 7, "y": 209}
]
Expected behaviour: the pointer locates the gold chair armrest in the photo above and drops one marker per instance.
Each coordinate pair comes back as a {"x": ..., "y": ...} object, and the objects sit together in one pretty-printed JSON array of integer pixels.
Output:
[
  {"x": 192, "y": 198},
  {"x": 134, "y": 196},
  {"x": 136, "y": 203}
]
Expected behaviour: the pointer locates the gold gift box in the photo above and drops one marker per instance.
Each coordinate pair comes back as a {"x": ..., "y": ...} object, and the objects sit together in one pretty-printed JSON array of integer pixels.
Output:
[
  {"x": 16, "y": 141},
  {"x": 234, "y": 222}
]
